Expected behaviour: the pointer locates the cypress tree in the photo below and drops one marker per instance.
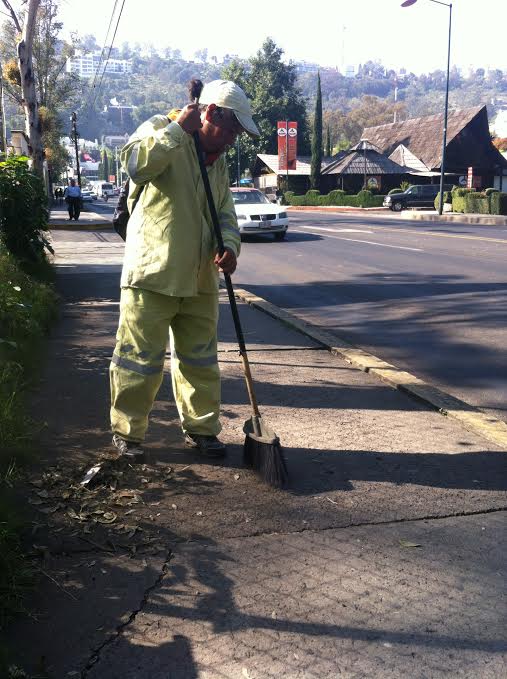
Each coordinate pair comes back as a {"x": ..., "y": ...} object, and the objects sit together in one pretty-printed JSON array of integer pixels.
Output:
[
  {"x": 105, "y": 165},
  {"x": 316, "y": 140}
]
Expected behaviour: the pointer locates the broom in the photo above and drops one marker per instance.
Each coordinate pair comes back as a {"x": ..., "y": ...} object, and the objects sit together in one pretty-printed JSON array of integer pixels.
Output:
[{"x": 261, "y": 451}]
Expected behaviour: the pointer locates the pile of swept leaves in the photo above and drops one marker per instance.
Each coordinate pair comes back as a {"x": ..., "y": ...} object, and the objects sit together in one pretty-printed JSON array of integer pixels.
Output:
[{"x": 114, "y": 511}]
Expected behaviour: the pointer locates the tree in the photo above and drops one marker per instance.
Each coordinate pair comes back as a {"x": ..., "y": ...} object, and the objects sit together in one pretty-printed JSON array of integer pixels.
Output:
[
  {"x": 104, "y": 164},
  {"x": 27, "y": 80},
  {"x": 55, "y": 89},
  {"x": 329, "y": 146},
  {"x": 271, "y": 86},
  {"x": 316, "y": 161}
]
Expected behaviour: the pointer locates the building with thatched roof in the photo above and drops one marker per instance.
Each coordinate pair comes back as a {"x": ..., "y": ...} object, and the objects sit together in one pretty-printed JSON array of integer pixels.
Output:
[
  {"x": 468, "y": 145},
  {"x": 268, "y": 176},
  {"x": 362, "y": 165},
  {"x": 349, "y": 170}
]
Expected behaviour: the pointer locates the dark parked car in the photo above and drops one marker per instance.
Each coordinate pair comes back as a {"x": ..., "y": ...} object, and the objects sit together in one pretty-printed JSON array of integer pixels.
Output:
[{"x": 419, "y": 195}]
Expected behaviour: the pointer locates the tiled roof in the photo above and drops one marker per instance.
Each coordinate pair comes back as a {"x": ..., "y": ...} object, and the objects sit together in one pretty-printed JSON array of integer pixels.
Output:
[
  {"x": 422, "y": 136},
  {"x": 406, "y": 158},
  {"x": 368, "y": 161}
]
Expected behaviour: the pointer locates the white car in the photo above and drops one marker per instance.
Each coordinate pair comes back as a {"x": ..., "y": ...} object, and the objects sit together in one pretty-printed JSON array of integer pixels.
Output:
[
  {"x": 87, "y": 196},
  {"x": 256, "y": 214}
]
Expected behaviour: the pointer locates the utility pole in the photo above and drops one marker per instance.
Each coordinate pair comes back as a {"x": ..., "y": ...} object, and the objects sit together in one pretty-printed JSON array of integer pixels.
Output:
[
  {"x": 238, "y": 160},
  {"x": 395, "y": 99},
  {"x": 118, "y": 179},
  {"x": 74, "y": 136}
]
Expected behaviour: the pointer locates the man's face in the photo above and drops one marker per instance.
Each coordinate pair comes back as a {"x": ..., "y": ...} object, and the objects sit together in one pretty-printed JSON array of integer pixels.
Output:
[{"x": 220, "y": 127}]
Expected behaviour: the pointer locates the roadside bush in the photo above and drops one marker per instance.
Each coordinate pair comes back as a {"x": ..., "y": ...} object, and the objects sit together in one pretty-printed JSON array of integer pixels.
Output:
[
  {"x": 393, "y": 191},
  {"x": 27, "y": 307},
  {"x": 458, "y": 204},
  {"x": 23, "y": 211},
  {"x": 498, "y": 203},
  {"x": 477, "y": 203},
  {"x": 337, "y": 198},
  {"x": 461, "y": 191},
  {"x": 447, "y": 199}
]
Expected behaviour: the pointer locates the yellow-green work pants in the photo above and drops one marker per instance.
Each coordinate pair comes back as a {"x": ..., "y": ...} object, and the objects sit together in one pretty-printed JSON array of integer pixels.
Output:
[{"x": 146, "y": 320}]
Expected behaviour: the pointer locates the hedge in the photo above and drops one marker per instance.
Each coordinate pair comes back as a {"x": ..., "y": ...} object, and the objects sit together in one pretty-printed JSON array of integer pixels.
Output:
[
  {"x": 476, "y": 203},
  {"x": 337, "y": 197},
  {"x": 447, "y": 199},
  {"x": 498, "y": 203},
  {"x": 489, "y": 202}
]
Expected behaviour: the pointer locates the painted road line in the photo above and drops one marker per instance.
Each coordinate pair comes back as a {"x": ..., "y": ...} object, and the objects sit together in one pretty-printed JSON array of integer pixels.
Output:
[
  {"x": 368, "y": 242},
  {"x": 413, "y": 231},
  {"x": 325, "y": 228},
  {"x": 487, "y": 426}
]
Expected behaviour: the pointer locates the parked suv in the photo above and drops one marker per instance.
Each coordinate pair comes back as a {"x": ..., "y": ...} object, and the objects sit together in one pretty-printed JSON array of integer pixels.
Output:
[{"x": 419, "y": 195}]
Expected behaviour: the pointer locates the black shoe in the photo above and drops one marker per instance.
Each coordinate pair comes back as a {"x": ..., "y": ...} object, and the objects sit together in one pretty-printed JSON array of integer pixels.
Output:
[
  {"x": 130, "y": 450},
  {"x": 209, "y": 446}
]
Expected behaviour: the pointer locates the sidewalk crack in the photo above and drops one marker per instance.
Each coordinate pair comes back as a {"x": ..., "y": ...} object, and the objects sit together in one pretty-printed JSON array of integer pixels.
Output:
[{"x": 96, "y": 654}]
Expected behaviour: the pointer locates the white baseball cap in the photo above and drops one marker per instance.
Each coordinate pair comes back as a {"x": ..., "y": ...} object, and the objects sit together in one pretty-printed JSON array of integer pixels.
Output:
[{"x": 226, "y": 94}]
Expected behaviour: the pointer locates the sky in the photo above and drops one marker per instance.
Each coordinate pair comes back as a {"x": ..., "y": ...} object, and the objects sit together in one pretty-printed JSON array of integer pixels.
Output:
[{"x": 326, "y": 32}]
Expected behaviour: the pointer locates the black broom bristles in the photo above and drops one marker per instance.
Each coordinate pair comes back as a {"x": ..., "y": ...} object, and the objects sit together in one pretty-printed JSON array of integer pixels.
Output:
[{"x": 267, "y": 460}]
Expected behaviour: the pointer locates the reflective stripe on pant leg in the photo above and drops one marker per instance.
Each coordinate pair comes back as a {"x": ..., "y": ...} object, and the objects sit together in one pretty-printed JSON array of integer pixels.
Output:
[
  {"x": 137, "y": 364},
  {"x": 194, "y": 366}
]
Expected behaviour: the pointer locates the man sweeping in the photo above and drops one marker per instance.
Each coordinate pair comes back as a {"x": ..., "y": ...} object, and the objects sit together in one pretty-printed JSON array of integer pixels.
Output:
[{"x": 169, "y": 283}]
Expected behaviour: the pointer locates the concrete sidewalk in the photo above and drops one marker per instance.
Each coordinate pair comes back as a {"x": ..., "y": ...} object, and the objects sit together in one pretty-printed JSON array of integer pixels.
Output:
[
  {"x": 385, "y": 558},
  {"x": 89, "y": 220}
]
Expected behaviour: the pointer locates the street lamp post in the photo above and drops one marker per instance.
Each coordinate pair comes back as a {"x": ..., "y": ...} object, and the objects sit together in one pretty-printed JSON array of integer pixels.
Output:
[{"x": 407, "y": 3}]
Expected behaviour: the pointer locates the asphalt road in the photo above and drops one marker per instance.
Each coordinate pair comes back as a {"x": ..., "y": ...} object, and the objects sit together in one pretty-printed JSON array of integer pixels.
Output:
[{"x": 429, "y": 297}]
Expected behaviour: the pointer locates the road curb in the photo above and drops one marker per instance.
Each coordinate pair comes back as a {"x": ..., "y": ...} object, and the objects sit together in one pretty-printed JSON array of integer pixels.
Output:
[
  {"x": 492, "y": 220},
  {"x": 334, "y": 208},
  {"x": 469, "y": 416}
]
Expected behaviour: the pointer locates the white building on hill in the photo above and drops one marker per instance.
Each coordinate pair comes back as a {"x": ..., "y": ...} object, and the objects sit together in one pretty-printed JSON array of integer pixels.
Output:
[{"x": 87, "y": 65}]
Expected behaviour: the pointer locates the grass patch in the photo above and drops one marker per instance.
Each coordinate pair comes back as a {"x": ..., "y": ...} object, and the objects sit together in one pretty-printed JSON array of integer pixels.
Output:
[{"x": 28, "y": 306}]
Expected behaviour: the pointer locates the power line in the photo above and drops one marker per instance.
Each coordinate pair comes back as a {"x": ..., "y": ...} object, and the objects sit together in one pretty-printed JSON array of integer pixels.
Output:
[
  {"x": 102, "y": 53},
  {"x": 109, "y": 53}
]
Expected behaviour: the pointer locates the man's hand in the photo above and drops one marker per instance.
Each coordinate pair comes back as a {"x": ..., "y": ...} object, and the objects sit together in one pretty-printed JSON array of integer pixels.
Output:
[
  {"x": 189, "y": 118},
  {"x": 227, "y": 262}
]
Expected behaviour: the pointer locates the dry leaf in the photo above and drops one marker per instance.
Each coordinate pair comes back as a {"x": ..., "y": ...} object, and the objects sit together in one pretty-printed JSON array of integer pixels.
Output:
[
  {"x": 49, "y": 510},
  {"x": 35, "y": 501},
  {"x": 107, "y": 517},
  {"x": 237, "y": 477},
  {"x": 407, "y": 543}
]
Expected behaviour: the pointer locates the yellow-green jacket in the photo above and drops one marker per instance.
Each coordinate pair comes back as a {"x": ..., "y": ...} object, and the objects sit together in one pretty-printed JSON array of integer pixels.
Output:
[{"x": 170, "y": 243}]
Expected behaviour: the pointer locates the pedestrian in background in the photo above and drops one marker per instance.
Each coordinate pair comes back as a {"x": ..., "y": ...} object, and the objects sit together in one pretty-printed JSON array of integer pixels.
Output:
[
  {"x": 170, "y": 272},
  {"x": 72, "y": 195}
]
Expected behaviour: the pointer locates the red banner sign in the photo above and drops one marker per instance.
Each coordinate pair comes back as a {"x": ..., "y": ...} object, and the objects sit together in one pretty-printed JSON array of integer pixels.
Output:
[
  {"x": 287, "y": 144},
  {"x": 470, "y": 177}
]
